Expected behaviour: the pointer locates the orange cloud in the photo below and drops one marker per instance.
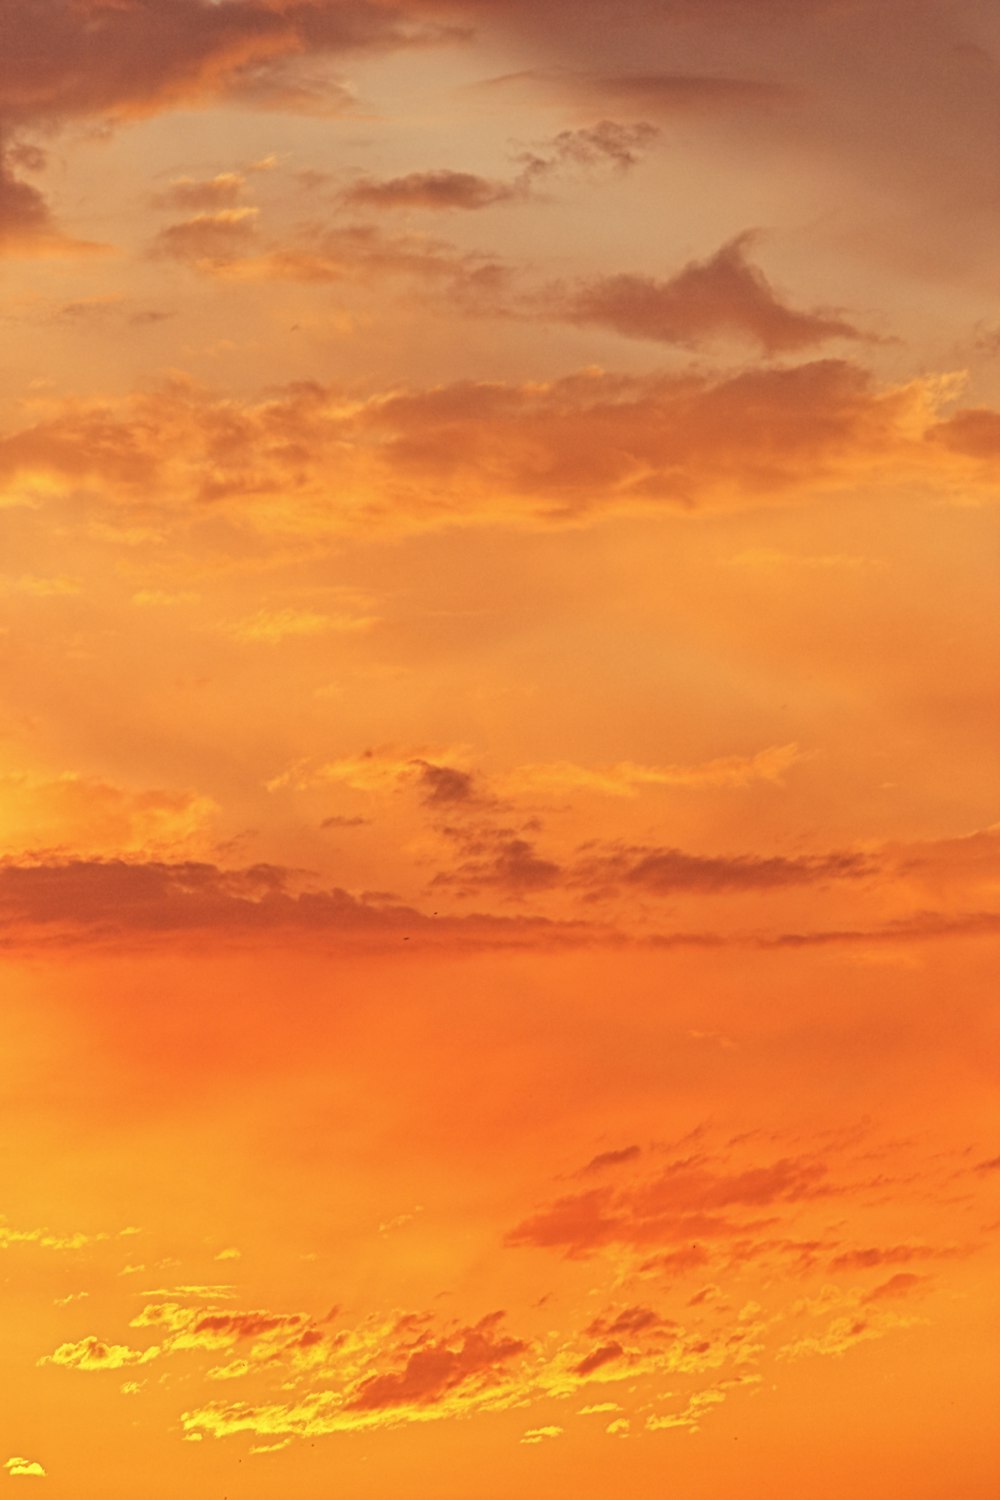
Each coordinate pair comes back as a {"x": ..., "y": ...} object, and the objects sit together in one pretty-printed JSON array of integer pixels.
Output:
[
  {"x": 316, "y": 460},
  {"x": 63, "y": 61}
]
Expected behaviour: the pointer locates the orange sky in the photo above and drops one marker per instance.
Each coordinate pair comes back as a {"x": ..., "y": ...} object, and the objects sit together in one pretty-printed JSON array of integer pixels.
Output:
[{"x": 498, "y": 749}]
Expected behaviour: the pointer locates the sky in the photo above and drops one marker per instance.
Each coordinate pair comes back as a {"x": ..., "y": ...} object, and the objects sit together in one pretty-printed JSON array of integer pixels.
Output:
[{"x": 499, "y": 773}]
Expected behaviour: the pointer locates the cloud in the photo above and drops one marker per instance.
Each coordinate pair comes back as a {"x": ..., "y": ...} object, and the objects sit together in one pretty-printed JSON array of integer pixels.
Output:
[
  {"x": 27, "y": 226},
  {"x": 445, "y": 786},
  {"x": 70, "y": 60},
  {"x": 203, "y": 195},
  {"x": 607, "y": 1159},
  {"x": 666, "y": 96},
  {"x": 841, "y": 1334},
  {"x": 385, "y": 770},
  {"x": 429, "y": 1377},
  {"x": 973, "y": 432},
  {"x": 46, "y": 1239},
  {"x": 667, "y": 871},
  {"x": 24, "y": 1468},
  {"x": 626, "y": 779},
  {"x": 228, "y": 243},
  {"x": 501, "y": 860},
  {"x": 91, "y": 1353},
  {"x": 608, "y": 143},
  {"x": 880, "y": 1255},
  {"x": 919, "y": 926},
  {"x": 180, "y": 1327},
  {"x": 439, "y": 1367},
  {"x": 901, "y": 1285},
  {"x": 598, "y": 1358},
  {"x": 316, "y": 460},
  {"x": 626, "y": 1323},
  {"x": 722, "y": 297},
  {"x": 678, "y": 1262},
  {"x": 273, "y": 626},
  {"x": 120, "y": 901},
  {"x": 85, "y": 814},
  {"x": 682, "y": 1204},
  {"x": 210, "y": 238},
  {"x": 438, "y": 191}
]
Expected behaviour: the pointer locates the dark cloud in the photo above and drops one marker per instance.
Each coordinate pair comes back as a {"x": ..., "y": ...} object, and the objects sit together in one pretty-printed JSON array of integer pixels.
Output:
[
  {"x": 216, "y": 238},
  {"x": 974, "y": 432},
  {"x": 24, "y": 214},
  {"x": 921, "y": 926},
  {"x": 666, "y": 96},
  {"x": 627, "y": 1323},
  {"x": 606, "y": 1159},
  {"x": 500, "y": 860},
  {"x": 248, "y": 1325},
  {"x": 474, "y": 1355},
  {"x": 608, "y": 143},
  {"x": 597, "y": 1358},
  {"x": 438, "y": 191},
  {"x": 202, "y": 195},
  {"x": 722, "y": 297},
  {"x": 600, "y": 440},
  {"x": 677, "y": 1262},
  {"x": 689, "y": 1201},
  {"x": 445, "y": 786},
  {"x": 901, "y": 1285},
  {"x": 119, "y": 901},
  {"x": 880, "y": 1255},
  {"x": 505, "y": 860},
  {"x": 71, "y": 59},
  {"x": 27, "y": 226},
  {"x": 668, "y": 871}
]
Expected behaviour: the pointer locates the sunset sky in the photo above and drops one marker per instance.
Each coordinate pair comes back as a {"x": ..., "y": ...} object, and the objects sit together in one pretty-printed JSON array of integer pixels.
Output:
[{"x": 499, "y": 755}]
